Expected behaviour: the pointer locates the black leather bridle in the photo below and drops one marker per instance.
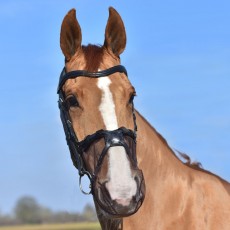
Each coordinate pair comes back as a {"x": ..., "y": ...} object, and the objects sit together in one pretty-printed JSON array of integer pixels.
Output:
[{"x": 112, "y": 138}]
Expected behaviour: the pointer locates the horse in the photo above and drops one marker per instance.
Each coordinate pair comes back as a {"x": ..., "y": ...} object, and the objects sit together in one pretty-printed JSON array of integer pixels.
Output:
[{"x": 136, "y": 180}]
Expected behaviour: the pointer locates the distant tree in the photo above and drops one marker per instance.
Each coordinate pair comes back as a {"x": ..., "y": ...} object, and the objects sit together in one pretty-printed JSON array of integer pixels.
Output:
[
  {"x": 7, "y": 220},
  {"x": 27, "y": 210},
  {"x": 45, "y": 214},
  {"x": 89, "y": 213}
]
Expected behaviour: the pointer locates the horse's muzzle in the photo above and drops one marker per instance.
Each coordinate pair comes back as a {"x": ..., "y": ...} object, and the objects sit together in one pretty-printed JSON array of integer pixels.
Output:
[
  {"x": 120, "y": 208},
  {"x": 126, "y": 196}
]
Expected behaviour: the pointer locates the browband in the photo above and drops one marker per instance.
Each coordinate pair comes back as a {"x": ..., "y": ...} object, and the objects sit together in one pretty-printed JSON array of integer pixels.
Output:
[{"x": 83, "y": 73}]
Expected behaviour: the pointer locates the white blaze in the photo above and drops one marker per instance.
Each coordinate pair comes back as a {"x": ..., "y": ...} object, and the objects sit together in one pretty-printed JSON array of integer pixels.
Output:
[{"x": 121, "y": 184}]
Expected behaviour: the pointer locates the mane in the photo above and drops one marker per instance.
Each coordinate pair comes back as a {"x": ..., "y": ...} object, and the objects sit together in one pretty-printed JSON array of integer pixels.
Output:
[
  {"x": 193, "y": 165},
  {"x": 93, "y": 56}
]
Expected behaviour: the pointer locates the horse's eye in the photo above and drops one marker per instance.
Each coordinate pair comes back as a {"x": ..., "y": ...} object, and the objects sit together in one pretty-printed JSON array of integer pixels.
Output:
[
  {"x": 131, "y": 98},
  {"x": 72, "y": 101}
]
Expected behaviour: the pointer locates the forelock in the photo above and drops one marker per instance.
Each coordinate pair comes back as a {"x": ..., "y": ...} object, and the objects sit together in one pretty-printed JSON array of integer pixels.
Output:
[{"x": 93, "y": 56}]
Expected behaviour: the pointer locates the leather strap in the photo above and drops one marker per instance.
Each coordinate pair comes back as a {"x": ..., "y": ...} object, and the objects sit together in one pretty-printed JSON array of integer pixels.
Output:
[{"x": 83, "y": 73}]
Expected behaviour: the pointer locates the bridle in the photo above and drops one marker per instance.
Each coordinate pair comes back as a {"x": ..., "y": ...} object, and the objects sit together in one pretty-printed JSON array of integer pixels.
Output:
[{"x": 112, "y": 138}]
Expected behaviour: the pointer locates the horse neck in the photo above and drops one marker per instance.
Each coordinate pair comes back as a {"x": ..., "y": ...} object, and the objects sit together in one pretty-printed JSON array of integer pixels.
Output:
[
  {"x": 154, "y": 155},
  {"x": 157, "y": 159}
]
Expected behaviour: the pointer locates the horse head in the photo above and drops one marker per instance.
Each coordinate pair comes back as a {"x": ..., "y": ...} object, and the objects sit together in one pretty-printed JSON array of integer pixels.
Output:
[{"x": 96, "y": 103}]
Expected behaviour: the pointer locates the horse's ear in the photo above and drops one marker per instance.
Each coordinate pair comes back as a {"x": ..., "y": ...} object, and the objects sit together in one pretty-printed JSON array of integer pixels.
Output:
[
  {"x": 70, "y": 39},
  {"x": 115, "y": 35}
]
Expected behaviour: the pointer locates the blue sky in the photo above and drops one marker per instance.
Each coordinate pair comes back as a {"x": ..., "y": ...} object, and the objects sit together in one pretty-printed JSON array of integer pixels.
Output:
[{"x": 177, "y": 56}]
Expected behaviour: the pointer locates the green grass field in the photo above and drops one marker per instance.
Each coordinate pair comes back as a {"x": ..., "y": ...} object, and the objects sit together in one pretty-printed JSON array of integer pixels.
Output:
[{"x": 69, "y": 226}]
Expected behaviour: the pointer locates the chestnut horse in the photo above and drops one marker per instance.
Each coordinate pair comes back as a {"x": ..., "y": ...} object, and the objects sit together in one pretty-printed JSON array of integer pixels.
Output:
[{"x": 100, "y": 122}]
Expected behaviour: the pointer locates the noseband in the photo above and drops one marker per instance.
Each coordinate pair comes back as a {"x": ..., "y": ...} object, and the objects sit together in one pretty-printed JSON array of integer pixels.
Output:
[{"x": 112, "y": 138}]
